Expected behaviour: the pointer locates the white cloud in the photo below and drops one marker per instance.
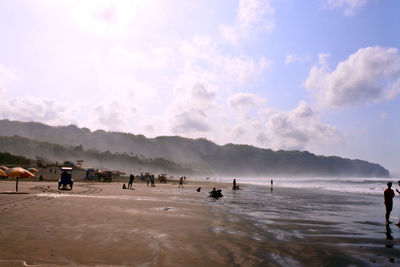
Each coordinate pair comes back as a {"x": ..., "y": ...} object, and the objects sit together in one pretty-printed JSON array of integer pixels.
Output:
[
  {"x": 252, "y": 16},
  {"x": 112, "y": 115},
  {"x": 126, "y": 89},
  {"x": 31, "y": 108},
  {"x": 247, "y": 123},
  {"x": 201, "y": 54},
  {"x": 107, "y": 17},
  {"x": 300, "y": 128},
  {"x": 121, "y": 58},
  {"x": 6, "y": 76},
  {"x": 384, "y": 116},
  {"x": 371, "y": 74},
  {"x": 348, "y": 6},
  {"x": 292, "y": 58},
  {"x": 245, "y": 101},
  {"x": 237, "y": 132},
  {"x": 191, "y": 109}
]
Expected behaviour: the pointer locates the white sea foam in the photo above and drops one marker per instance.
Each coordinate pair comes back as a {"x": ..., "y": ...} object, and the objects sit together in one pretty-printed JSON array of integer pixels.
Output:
[{"x": 359, "y": 185}]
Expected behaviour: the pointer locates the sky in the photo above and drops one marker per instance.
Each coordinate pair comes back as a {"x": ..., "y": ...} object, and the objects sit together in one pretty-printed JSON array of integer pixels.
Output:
[{"x": 316, "y": 75}]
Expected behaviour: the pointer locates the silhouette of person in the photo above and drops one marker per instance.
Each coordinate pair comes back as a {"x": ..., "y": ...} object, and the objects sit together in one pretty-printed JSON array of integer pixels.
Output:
[
  {"x": 180, "y": 182},
  {"x": 388, "y": 194},
  {"x": 234, "y": 184},
  {"x": 152, "y": 181},
  {"x": 131, "y": 178}
]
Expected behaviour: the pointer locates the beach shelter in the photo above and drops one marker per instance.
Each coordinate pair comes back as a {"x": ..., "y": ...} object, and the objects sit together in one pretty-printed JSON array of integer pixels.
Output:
[
  {"x": 19, "y": 172},
  {"x": 3, "y": 173}
]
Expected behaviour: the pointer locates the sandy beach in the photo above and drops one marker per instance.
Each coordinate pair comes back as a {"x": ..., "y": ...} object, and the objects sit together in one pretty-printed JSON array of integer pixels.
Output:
[{"x": 102, "y": 224}]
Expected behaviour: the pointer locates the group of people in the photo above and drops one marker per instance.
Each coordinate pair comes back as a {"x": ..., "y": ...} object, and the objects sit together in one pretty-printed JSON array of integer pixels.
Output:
[
  {"x": 389, "y": 195},
  {"x": 150, "y": 181}
]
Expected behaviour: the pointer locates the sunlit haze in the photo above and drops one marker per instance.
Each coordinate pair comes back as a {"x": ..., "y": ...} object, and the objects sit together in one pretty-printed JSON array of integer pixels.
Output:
[{"x": 319, "y": 75}]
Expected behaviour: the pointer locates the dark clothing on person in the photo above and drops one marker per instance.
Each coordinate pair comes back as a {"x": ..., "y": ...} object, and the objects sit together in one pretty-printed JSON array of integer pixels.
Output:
[
  {"x": 389, "y": 194},
  {"x": 131, "y": 178}
]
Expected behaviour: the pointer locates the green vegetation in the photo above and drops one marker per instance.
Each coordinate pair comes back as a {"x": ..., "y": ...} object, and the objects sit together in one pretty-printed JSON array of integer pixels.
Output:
[
  {"x": 8, "y": 159},
  {"x": 171, "y": 154},
  {"x": 48, "y": 152}
]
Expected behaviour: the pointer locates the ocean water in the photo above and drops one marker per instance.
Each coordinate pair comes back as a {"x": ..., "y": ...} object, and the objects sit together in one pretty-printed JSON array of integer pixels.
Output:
[
  {"x": 358, "y": 185},
  {"x": 345, "y": 216}
]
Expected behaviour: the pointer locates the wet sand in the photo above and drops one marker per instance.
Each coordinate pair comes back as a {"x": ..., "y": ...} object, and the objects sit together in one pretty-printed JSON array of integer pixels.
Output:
[{"x": 102, "y": 224}]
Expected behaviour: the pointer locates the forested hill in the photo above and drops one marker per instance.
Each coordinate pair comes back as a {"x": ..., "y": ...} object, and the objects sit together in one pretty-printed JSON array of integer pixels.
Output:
[{"x": 201, "y": 155}]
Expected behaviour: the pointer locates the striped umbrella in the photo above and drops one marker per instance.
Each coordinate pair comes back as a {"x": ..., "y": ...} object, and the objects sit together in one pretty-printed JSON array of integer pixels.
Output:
[
  {"x": 19, "y": 172},
  {"x": 3, "y": 173},
  {"x": 4, "y": 168}
]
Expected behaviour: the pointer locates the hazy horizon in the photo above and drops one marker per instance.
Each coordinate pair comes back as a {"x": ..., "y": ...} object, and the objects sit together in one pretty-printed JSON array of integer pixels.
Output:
[{"x": 320, "y": 75}]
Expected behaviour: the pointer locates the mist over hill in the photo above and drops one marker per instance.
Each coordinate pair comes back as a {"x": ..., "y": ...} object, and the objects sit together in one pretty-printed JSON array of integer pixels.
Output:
[{"x": 195, "y": 156}]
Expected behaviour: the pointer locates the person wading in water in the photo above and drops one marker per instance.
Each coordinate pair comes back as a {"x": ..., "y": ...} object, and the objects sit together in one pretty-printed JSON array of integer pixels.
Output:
[{"x": 389, "y": 194}]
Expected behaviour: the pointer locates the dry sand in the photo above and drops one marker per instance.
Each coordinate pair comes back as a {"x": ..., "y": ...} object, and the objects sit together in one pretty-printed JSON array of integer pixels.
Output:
[{"x": 102, "y": 224}]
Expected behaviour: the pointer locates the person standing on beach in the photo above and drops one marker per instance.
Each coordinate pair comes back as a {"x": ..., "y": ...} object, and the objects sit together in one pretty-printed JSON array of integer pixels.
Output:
[
  {"x": 131, "y": 178},
  {"x": 397, "y": 190},
  {"x": 234, "y": 184},
  {"x": 152, "y": 181},
  {"x": 389, "y": 194},
  {"x": 180, "y": 182}
]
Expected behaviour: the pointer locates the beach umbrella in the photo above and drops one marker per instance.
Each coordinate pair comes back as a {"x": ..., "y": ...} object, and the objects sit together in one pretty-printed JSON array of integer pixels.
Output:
[
  {"x": 3, "y": 173},
  {"x": 4, "y": 168},
  {"x": 19, "y": 172},
  {"x": 33, "y": 170}
]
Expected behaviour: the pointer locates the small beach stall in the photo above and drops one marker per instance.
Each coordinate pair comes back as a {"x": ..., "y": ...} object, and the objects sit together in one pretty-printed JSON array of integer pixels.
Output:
[{"x": 18, "y": 173}]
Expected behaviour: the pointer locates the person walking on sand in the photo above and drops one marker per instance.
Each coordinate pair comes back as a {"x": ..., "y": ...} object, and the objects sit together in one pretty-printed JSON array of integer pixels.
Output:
[
  {"x": 180, "y": 182},
  {"x": 397, "y": 190},
  {"x": 389, "y": 194},
  {"x": 152, "y": 181},
  {"x": 131, "y": 178}
]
